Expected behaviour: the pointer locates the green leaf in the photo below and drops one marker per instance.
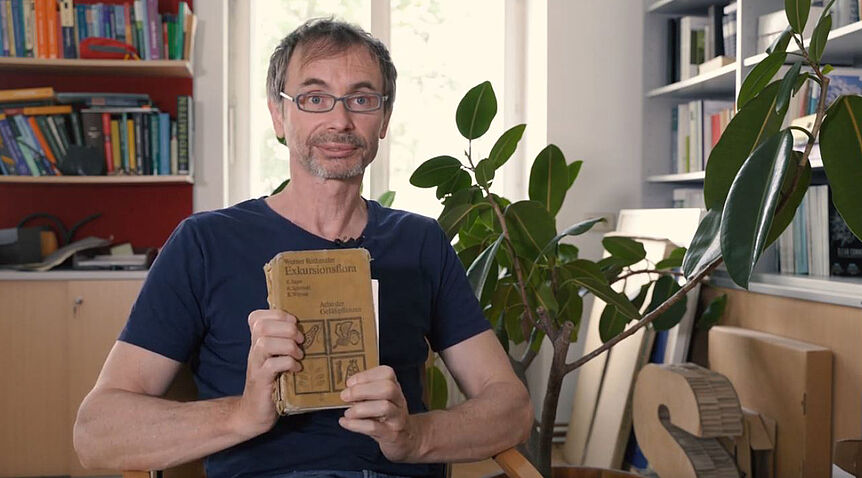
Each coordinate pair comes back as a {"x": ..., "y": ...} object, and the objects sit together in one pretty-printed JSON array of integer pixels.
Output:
[
  {"x": 638, "y": 300},
  {"x": 281, "y": 187},
  {"x": 611, "y": 323},
  {"x": 665, "y": 287},
  {"x": 574, "y": 169},
  {"x": 530, "y": 227},
  {"x": 827, "y": 69},
  {"x": 546, "y": 299},
  {"x": 549, "y": 178},
  {"x": 780, "y": 43},
  {"x": 750, "y": 127},
  {"x": 819, "y": 38},
  {"x": 673, "y": 260},
  {"x": 784, "y": 217},
  {"x": 536, "y": 337},
  {"x": 476, "y": 111},
  {"x": 438, "y": 391},
  {"x": 611, "y": 267},
  {"x": 506, "y": 145},
  {"x": 797, "y": 13},
  {"x": 759, "y": 77},
  {"x": 386, "y": 198},
  {"x": 627, "y": 250},
  {"x": 705, "y": 246},
  {"x": 514, "y": 327},
  {"x": 786, "y": 87},
  {"x": 571, "y": 307},
  {"x": 477, "y": 274},
  {"x": 452, "y": 219},
  {"x": 460, "y": 181},
  {"x": 435, "y": 172},
  {"x": 485, "y": 172},
  {"x": 566, "y": 253},
  {"x": 751, "y": 203},
  {"x": 587, "y": 274},
  {"x": 841, "y": 148},
  {"x": 712, "y": 314},
  {"x": 502, "y": 334},
  {"x": 573, "y": 230}
]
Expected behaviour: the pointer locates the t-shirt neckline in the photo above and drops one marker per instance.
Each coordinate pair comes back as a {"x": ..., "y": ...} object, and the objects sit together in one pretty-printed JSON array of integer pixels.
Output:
[{"x": 371, "y": 207}]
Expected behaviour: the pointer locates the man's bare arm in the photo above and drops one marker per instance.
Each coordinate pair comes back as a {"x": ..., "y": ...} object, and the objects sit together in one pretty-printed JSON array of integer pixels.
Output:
[
  {"x": 123, "y": 424},
  {"x": 496, "y": 416}
]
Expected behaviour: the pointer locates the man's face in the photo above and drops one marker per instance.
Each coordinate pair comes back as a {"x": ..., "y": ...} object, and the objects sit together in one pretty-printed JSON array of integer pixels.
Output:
[{"x": 337, "y": 144}]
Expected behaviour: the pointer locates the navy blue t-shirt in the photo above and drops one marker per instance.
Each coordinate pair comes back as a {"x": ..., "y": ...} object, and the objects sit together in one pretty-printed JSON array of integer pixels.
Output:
[{"x": 208, "y": 278}]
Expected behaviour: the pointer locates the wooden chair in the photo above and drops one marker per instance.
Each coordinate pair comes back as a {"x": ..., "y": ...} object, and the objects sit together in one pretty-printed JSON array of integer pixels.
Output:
[{"x": 513, "y": 463}]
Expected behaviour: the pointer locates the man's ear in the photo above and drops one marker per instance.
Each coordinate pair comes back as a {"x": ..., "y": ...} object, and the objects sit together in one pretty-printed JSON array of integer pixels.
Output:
[
  {"x": 277, "y": 118},
  {"x": 385, "y": 126}
]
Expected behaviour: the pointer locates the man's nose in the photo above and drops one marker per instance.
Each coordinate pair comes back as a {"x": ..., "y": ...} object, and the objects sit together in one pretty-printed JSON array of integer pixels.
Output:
[{"x": 340, "y": 118}]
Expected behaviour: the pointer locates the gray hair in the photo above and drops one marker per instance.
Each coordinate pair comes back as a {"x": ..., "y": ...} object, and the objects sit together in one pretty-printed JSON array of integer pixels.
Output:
[{"x": 325, "y": 37}]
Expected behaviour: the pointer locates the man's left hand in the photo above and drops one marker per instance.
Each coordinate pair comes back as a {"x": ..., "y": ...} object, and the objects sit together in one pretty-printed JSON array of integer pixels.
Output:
[{"x": 378, "y": 409}]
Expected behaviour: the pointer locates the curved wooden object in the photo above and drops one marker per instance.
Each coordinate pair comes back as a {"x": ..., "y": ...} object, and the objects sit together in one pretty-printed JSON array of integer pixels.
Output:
[{"x": 679, "y": 411}]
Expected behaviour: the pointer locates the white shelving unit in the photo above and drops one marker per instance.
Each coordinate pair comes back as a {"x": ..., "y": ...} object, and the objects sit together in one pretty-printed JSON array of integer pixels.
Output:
[{"x": 844, "y": 48}]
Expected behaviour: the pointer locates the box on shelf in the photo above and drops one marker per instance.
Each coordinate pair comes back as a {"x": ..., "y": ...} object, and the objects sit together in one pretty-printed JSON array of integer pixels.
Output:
[{"x": 770, "y": 26}]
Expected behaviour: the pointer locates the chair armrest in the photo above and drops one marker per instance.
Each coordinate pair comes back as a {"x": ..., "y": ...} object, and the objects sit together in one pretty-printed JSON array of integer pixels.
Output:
[
  {"x": 142, "y": 474},
  {"x": 515, "y": 465}
]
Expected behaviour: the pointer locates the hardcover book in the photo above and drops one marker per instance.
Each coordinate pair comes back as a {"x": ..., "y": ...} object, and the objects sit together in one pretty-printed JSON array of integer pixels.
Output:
[{"x": 330, "y": 294}]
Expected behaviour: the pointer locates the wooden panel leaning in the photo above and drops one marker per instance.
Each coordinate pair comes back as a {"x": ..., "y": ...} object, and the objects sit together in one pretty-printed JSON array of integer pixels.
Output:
[{"x": 679, "y": 411}]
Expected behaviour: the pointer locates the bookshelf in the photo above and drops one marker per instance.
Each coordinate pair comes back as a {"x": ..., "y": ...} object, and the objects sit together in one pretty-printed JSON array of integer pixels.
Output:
[
  {"x": 142, "y": 210},
  {"x": 156, "y": 68},
  {"x": 844, "y": 48}
]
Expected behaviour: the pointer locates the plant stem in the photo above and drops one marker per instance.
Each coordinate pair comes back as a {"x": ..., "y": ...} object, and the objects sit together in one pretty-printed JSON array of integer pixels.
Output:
[
  {"x": 645, "y": 319},
  {"x": 647, "y": 271},
  {"x": 552, "y": 397}
]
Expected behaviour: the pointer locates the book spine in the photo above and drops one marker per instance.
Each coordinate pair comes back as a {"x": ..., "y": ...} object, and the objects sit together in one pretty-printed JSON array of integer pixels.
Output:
[
  {"x": 41, "y": 29},
  {"x": 27, "y": 134},
  {"x": 130, "y": 128},
  {"x": 124, "y": 149},
  {"x": 154, "y": 143},
  {"x": 47, "y": 147},
  {"x": 119, "y": 24},
  {"x": 141, "y": 16},
  {"x": 29, "y": 12},
  {"x": 183, "y": 135},
  {"x": 62, "y": 131},
  {"x": 117, "y": 144},
  {"x": 154, "y": 29},
  {"x": 4, "y": 31},
  {"x": 164, "y": 143},
  {"x": 7, "y": 163},
  {"x": 106, "y": 132},
  {"x": 139, "y": 136},
  {"x": 174, "y": 147},
  {"x": 18, "y": 27},
  {"x": 81, "y": 24},
  {"x": 11, "y": 143},
  {"x": 127, "y": 25},
  {"x": 77, "y": 132},
  {"x": 146, "y": 167},
  {"x": 181, "y": 22},
  {"x": 67, "y": 24},
  {"x": 58, "y": 138},
  {"x": 53, "y": 17}
]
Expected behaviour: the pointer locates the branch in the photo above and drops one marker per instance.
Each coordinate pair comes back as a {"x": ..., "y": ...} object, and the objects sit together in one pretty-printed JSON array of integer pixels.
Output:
[
  {"x": 647, "y": 271},
  {"x": 528, "y": 357},
  {"x": 647, "y": 319}
]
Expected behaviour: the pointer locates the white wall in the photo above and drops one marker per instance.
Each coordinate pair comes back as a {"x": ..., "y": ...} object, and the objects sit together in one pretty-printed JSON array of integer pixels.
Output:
[
  {"x": 594, "y": 98},
  {"x": 210, "y": 115}
]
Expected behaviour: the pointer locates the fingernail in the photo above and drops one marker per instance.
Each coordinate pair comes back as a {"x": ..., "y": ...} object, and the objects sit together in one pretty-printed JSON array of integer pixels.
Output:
[{"x": 343, "y": 395}]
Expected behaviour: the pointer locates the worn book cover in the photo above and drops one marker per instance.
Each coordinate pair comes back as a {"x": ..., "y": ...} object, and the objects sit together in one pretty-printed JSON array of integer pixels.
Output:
[{"x": 330, "y": 294}]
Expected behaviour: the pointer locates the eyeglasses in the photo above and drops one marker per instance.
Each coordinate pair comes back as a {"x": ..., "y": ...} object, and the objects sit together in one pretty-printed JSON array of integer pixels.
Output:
[{"x": 322, "y": 102}]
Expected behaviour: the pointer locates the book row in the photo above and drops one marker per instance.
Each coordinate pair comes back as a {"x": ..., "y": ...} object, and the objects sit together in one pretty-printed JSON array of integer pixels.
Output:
[
  {"x": 697, "y": 44},
  {"x": 57, "y": 139},
  {"x": 818, "y": 241},
  {"x": 696, "y": 127},
  {"x": 51, "y": 29}
]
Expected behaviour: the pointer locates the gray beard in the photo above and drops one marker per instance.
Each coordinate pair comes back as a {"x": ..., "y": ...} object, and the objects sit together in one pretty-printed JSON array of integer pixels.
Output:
[{"x": 315, "y": 168}]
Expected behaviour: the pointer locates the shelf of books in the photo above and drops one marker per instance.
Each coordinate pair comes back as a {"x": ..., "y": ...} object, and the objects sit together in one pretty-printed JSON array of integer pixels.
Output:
[
  {"x": 116, "y": 179},
  {"x": 97, "y": 115},
  {"x": 159, "y": 68},
  {"x": 816, "y": 258}
]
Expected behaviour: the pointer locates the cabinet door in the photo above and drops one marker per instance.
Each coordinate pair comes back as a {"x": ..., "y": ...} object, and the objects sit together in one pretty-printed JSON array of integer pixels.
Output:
[
  {"x": 35, "y": 426},
  {"x": 98, "y": 312}
]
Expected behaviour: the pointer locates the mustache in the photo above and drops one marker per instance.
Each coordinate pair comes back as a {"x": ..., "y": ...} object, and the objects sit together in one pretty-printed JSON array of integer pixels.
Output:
[{"x": 342, "y": 138}]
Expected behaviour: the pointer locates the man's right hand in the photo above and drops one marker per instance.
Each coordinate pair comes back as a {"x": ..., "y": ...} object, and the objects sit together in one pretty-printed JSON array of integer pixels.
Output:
[{"x": 275, "y": 340}]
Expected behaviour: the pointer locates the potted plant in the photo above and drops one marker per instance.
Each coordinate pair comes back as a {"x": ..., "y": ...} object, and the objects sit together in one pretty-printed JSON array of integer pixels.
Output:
[{"x": 531, "y": 285}]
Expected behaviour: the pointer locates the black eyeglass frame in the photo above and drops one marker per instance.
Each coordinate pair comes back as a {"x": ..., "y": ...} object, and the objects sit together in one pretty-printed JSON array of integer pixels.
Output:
[{"x": 336, "y": 99}]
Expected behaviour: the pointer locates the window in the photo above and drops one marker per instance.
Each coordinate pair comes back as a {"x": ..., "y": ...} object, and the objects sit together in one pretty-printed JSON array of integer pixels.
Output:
[{"x": 441, "y": 49}]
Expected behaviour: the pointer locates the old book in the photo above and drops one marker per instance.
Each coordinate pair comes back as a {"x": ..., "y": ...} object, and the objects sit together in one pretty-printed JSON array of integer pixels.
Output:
[{"x": 330, "y": 294}]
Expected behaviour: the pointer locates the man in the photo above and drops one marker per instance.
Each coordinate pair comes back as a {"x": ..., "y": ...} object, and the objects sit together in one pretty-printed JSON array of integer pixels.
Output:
[{"x": 330, "y": 93}]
